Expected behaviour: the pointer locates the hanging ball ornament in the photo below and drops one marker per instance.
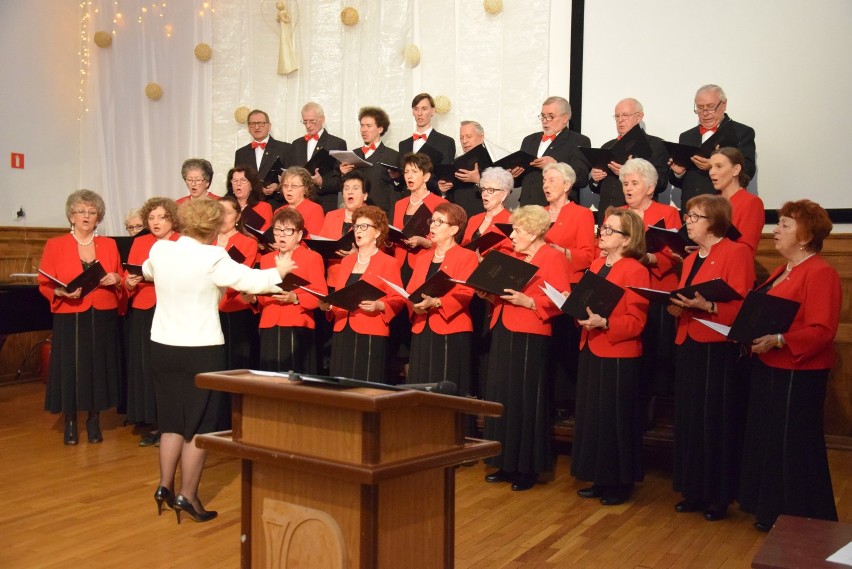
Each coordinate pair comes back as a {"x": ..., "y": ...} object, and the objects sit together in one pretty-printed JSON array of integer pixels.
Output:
[
  {"x": 493, "y": 7},
  {"x": 203, "y": 52},
  {"x": 103, "y": 39},
  {"x": 153, "y": 91},
  {"x": 349, "y": 16},
  {"x": 241, "y": 114},
  {"x": 411, "y": 55},
  {"x": 443, "y": 105}
]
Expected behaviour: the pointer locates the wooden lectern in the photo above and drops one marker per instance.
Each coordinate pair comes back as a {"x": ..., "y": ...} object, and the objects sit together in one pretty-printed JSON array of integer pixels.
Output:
[{"x": 356, "y": 478}]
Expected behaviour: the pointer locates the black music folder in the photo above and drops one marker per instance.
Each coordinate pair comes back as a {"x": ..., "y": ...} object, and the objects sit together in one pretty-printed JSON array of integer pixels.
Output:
[
  {"x": 715, "y": 290},
  {"x": 499, "y": 271},
  {"x": 681, "y": 154},
  {"x": 438, "y": 284},
  {"x": 322, "y": 160},
  {"x": 88, "y": 280},
  {"x": 634, "y": 143},
  {"x": 486, "y": 241},
  {"x": 516, "y": 159},
  {"x": 236, "y": 254},
  {"x": 250, "y": 217},
  {"x": 349, "y": 297},
  {"x": 657, "y": 238},
  {"x": 328, "y": 248},
  {"x": 292, "y": 281},
  {"x": 595, "y": 292},
  {"x": 759, "y": 315},
  {"x": 263, "y": 237},
  {"x": 133, "y": 269},
  {"x": 416, "y": 226},
  {"x": 478, "y": 155},
  {"x": 272, "y": 177},
  {"x": 435, "y": 155}
]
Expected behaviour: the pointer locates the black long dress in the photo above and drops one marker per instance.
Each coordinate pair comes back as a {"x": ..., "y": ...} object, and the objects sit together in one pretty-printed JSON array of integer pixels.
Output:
[{"x": 358, "y": 356}]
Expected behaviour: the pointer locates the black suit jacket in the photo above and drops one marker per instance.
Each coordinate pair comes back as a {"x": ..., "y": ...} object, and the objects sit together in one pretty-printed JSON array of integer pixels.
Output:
[
  {"x": 244, "y": 156},
  {"x": 383, "y": 193},
  {"x": 563, "y": 149},
  {"x": 610, "y": 187},
  {"x": 327, "y": 194},
  {"x": 696, "y": 181},
  {"x": 442, "y": 143}
]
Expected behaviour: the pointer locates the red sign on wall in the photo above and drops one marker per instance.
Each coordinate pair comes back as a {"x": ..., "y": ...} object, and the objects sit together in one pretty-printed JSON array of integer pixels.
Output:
[{"x": 17, "y": 160}]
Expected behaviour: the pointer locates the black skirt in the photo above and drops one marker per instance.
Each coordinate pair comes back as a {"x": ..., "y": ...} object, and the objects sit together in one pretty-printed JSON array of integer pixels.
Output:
[
  {"x": 141, "y": 404},
  {"x": 785, "y": 467},
  {"x": 440, "y": 357},
  {"x": 517, "y": 379},
  {"x": 564, "y": 356},
  {"x": 711, "y": 392},
  {"x": 607, "y": 446},
  {"x": 85, "y": 362},
  {"x": 242, "y": 343},
  {"x": 288, "y": 348},
  {"x": 359, "y": 356},
  {"x": 182, "y": 407},
  {"x": 658, "y": 345}
]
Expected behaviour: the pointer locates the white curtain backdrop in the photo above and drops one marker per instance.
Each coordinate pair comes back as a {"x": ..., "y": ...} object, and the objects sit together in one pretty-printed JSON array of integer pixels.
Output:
[{"x": 493, "y": 69}]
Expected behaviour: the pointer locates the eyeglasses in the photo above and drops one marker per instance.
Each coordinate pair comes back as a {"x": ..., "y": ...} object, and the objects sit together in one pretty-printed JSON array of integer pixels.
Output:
[
  {"x": 490, "y": 191},
  {"x": 310, "y": 121},
  {"x": 362, "y": 226},
  {"x": 194, "y": 181},
  {"x": 607, "y": 230},
  {"x": 239, "y": 181},
  {"x": 701, "y": 109},
  {"x": 133, "y": 228},
  {"x": 288, "y": 186},
  {"x": 548, "y": 118},
  {"x": 438, "y": 222},
  {"x": 286, "y": 231},
  {"x": 625, "y": 116},
  {"x": 257, "y": 124},
  {"x": 86, "y": 212},
  {"x": 693, "y": 217}
]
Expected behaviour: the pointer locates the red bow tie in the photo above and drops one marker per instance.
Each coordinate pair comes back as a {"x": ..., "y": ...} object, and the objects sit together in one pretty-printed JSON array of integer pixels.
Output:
[
  {"x": 366, "y": 149},
  {"x": 416, "y": 135},
  {"x": 255, "y": 144},
  {"x": 547, "y": 137},
  {"x": 702, "y": 130},
  {"x": 310, "y": 136}
]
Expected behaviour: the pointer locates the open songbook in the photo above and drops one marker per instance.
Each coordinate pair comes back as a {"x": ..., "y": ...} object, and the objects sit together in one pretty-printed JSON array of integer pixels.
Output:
[
  {"x": 634, "y": 143},
  {"x": 417, "y": 226},
  {"x": 328, "y": 248},
  {"x": 349, "y": 157},
  {"x": 592, "y": 291},
  {"x": 476, "y": 156},
  {"x": 498, "y": 272},
  {"x": 88, "y": 280},
  {"x": 437, "y": 285},
  {"x": 759, "y": 315},
  {"x": 715, "y": 290},
  {"x": 349, "y": 297}
]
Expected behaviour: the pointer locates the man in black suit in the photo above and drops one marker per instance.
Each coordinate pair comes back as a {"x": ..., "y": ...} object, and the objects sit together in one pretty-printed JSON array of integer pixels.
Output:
[
  {"x": 304, "y": 147},
  {"x": 710, "y": 106},
  {"x": 374, "y": 123},
  {"x": 628, "y": 113},
  {"x": 423, "y": 109},
  {"x": 261, "y": 153},
  {"x": 464, "y": 190},
  {"x": 555, "y": 143}
]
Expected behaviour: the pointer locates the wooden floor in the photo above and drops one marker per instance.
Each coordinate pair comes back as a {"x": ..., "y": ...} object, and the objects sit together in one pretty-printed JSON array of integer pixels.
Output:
[{"x": 91, "y": 506}]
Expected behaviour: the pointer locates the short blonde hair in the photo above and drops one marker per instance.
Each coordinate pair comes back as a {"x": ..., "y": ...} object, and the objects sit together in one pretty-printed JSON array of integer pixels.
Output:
[
  {"x": 87, "y": 197},
  {"x": 532, "y": 219},
  {"x": 201, "y": 219}
]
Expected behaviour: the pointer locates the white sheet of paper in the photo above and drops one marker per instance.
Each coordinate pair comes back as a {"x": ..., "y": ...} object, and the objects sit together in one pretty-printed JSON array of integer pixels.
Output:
[
  {"x": 397, "y": 288},
  {"x": 720, "y": 328},
  {"x": 349, "y": 157},
  {"x": 842, "y": 555},
  {"x": 554, "y": 295}
]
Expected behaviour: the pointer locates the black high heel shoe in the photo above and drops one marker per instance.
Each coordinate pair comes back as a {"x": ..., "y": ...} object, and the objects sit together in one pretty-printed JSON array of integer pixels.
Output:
[
  {"x": 164, "y": 494},
  {"x": 70, "y": 430},
  {"x": 181, "y": 504},
  {"x": 93, "y": 428}
]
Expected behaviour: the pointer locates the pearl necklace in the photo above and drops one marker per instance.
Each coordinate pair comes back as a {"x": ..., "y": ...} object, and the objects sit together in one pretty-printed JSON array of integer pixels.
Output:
[
  {"x": 411, "y": 199},
  {"x": 360, "y": 262},
  {"x": 791, "y": 265},
  {"x": 80, "y": 243},
  {"x": 438, "y": 257}
]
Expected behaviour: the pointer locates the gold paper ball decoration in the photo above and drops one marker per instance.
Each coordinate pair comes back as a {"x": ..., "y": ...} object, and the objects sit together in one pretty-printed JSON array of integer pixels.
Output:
[
  {"x": 411, "y": 55},
  {"x": 241, "y": 114},
  {"x": 153, "y": 91},
  {"x": 493, "y": 7},
  {"x": 203, "y": 52},
  {"x": 443, "y": 104},
  {"x": 349, "y": 16},
  {"x": 103, "y": 39}
]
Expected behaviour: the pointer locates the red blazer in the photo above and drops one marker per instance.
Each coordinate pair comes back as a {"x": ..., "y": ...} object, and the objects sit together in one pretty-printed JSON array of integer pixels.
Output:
[
  {"x": 61, "y": 259},
  {"x": 264, "y": 210},
  {"x": 230, "y": 301},
  {"x": 809, "y": 344},
  {"x": 734, "y": 263},
  {"x": 623, "y": 336},
  {"x": 474, "y": 222},
  {"x": 453, "y": 315},
  {"x": 186, "y": 198},
  {"x": 401, "y": 255},
  {"x": 275, "y": 313},
  {"x": 373, "y": 323},
  {"x": 748, "y": 216},
  {"x": 664, "y": 275},
  {"x": 554, "y": 268},
  {"x": 574, "y": 229},
  {"x": 143, "y": 294},
  {"x": 312, "y": 213}
]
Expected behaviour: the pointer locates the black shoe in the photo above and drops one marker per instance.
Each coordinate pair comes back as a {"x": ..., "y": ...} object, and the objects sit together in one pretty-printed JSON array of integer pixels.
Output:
[
  {"x": 616, "y": 495},
  {"x": 593, "y": 491},
  {"x": 70, "y": 437},
  {"x": 151, "y": 439},
  {"x": 93, "y": 428},
  {"x": 762, "y": 526},
  {"x": 164, "y": 494},
  {"x": 523, "y": 482},
  {"x": 714, "y": 514},
  {"x": 181, "y": 504},
  {"x": 499, "y": 476},
  {"x": 689, "y": 505}
]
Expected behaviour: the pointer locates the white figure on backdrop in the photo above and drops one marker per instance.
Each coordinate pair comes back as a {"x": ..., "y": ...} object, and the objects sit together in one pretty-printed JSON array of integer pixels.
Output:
[{"x": 287, "y": 62}]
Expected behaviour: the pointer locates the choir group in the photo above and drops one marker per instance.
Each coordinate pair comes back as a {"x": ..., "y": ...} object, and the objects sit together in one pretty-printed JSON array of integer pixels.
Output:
[{"x": 367, "y": 264}]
